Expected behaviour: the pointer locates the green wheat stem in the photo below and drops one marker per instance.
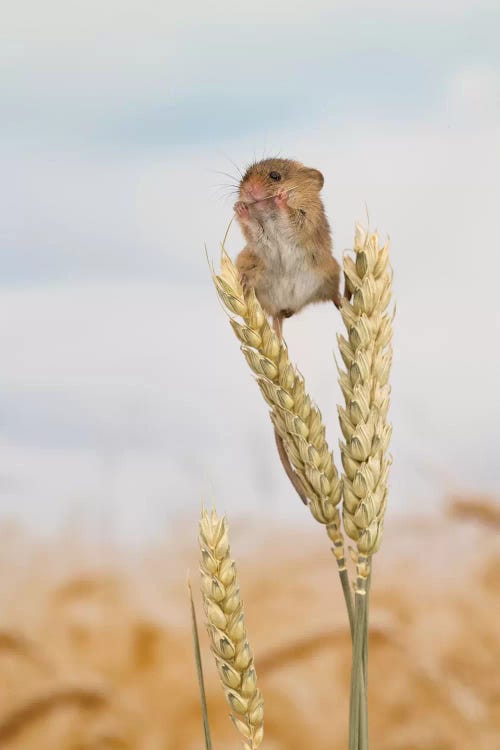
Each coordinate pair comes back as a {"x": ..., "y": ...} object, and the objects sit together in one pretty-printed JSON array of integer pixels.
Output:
[
  {"x": 346, "y": 589},
  {"x": 199, "y": 671},
  {"x": 365, "y": 658},
  {"x": 338, "y": 553},
  {"x": 355, "y": 707}
]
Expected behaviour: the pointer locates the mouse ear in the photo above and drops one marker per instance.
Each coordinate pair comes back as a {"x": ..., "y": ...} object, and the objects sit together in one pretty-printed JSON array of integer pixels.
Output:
[{"x": 315, "y": 174}]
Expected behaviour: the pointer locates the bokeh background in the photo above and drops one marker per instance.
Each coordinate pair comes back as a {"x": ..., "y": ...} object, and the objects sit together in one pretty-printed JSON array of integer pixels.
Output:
[{"x": 123, "y": 397}]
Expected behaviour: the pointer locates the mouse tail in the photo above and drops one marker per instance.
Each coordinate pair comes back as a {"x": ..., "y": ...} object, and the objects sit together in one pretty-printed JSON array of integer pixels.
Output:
[{"x": 291, "y": 474}]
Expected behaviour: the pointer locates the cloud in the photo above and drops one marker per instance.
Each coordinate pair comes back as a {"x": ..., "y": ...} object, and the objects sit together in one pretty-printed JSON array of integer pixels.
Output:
[
  {"x": 474, "y": 94},
  {"x": 133, "y": 75}
]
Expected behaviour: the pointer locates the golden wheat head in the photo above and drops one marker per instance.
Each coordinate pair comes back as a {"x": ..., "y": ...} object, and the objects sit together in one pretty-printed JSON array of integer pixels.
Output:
[
  {"x": 226, "y": 627},
  {"x": 367, "y": 356}
]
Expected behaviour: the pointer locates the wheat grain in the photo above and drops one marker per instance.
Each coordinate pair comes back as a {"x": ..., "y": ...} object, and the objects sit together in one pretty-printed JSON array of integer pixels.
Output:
[{"x": 226, "y": 627}]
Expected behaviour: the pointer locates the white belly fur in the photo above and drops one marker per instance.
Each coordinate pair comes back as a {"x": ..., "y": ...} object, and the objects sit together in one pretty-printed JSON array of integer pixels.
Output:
[{"x": 289, "y": 283}]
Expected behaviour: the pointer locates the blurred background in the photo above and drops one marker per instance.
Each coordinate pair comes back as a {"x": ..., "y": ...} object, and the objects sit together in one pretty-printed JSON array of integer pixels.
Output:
[{"x": 124, "y": 399}]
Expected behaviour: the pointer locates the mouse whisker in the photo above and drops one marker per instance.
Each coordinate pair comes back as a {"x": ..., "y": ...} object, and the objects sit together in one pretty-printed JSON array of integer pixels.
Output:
[
  {"x": 232, "y": 177},
  {"x": 229, "y": 189},
  {"x": 236, "y": 167}
]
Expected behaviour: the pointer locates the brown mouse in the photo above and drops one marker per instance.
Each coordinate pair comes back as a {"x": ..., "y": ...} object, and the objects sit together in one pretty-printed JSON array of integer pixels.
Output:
[{"x": 288, "y": 256}]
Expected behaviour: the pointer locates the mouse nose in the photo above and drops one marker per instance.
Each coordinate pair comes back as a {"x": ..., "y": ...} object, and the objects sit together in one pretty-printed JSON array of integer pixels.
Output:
[{"x": 254, "y": 190}]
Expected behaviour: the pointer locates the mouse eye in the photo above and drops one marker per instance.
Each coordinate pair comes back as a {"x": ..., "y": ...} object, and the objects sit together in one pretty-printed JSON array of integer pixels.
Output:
[{"x": 275, "y": 176}]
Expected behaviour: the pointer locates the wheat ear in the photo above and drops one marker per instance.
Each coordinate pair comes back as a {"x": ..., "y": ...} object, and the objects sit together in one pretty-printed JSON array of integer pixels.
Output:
[
  {"x": 367, "y": 356},
  {"x": 226, "y": 627},
  {"x": 296, "y": 419}
]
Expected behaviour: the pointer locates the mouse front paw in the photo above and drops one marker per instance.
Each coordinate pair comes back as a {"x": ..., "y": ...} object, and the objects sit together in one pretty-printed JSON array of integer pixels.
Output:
[
  {"x": 241, "y": 211},
  {"x": 281, "y": 199}
]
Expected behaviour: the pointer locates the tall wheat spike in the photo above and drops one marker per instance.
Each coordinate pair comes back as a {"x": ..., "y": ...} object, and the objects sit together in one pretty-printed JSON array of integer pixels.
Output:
[
  {"x": 367, "y": 356},
  {"x": 226, "y": 627},
  {"x": 296, "y": 419}
]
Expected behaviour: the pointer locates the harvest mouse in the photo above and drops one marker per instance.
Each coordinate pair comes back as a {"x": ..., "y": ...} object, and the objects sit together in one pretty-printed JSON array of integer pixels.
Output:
[{"x": 288, "y": 256}]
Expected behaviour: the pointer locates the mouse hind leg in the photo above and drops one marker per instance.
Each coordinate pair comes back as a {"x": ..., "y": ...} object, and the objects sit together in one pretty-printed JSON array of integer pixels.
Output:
[
  {"x": 285, "y": 462},
  {"x": 330, "y": 288}
]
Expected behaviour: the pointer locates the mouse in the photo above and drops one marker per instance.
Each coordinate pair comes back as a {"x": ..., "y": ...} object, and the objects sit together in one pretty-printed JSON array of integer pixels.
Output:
[{"x": 288, "y": 256}]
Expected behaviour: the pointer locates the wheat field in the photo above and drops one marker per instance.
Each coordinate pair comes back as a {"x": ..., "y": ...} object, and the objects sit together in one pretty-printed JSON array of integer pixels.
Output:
[{"x": 96, "y": 654}]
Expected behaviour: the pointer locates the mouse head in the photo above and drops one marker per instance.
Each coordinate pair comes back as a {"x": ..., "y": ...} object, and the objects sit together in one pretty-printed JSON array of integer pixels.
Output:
[{"x": 270, "y": 177}]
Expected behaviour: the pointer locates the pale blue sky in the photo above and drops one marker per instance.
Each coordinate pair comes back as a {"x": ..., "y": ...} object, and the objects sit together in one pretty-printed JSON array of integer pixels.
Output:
[
  {"x": 129, "y": 76},
  {"x": 97, "y": 91},
  {"x": 115, "y": 118}
]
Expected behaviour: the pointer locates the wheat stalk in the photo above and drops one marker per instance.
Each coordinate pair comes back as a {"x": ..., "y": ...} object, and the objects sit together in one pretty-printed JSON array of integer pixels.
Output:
[
  {"x": 296, "y": 419},
  {"x": 226, "y": 627}
]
